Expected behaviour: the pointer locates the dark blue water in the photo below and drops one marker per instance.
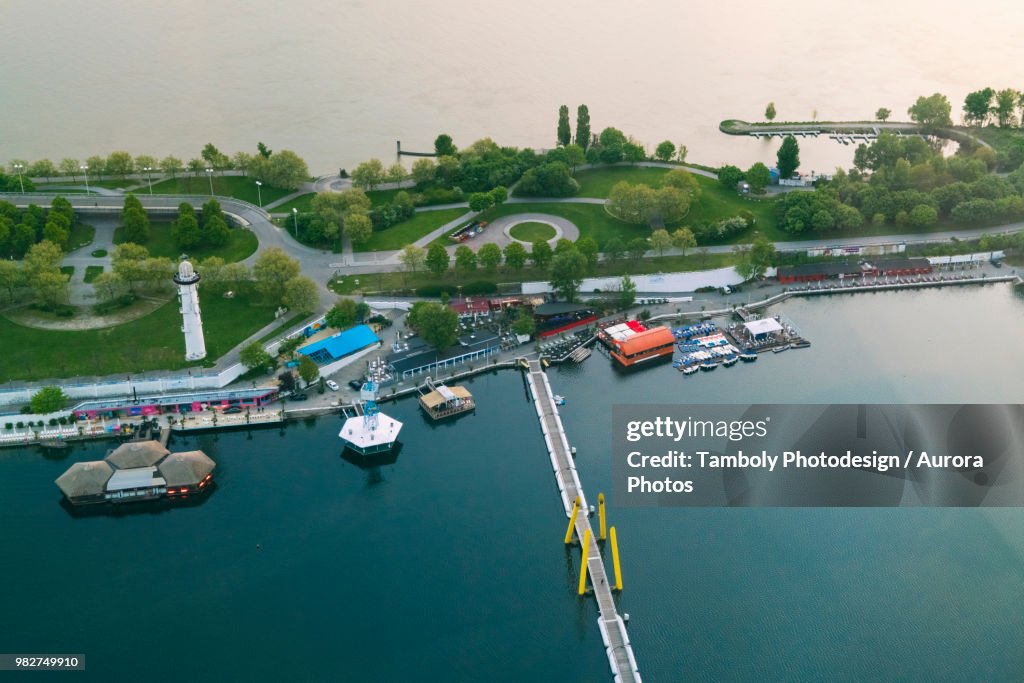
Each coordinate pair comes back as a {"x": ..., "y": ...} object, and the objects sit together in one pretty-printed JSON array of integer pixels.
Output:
[{"x": 448, "y": 565}]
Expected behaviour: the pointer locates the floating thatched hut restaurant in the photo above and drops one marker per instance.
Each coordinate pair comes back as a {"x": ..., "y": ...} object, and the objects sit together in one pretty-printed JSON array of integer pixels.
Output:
[{"x": 139, "y": 470}]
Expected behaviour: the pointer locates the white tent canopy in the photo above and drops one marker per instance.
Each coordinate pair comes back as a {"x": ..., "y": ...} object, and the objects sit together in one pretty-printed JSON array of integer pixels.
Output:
[{"x": 766, "y": 326}]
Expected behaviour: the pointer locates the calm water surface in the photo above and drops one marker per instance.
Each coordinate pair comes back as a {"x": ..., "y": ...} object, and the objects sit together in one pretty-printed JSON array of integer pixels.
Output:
[
  {"x": 340, "y": 80},
  {"x": 448, "y": 564}
]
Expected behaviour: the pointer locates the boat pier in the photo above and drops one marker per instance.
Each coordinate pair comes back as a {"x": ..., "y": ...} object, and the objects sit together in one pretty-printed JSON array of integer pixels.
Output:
[{"x": 613, "y": 628}]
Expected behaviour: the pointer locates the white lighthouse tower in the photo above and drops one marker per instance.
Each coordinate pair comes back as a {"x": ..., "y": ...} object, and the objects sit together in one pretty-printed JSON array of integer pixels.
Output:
[{"x": 187, "y": 280}]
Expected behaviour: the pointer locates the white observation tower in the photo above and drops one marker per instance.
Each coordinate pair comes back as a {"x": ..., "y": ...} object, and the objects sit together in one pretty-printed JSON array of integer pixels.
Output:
[{"x": 187, "y": 280}]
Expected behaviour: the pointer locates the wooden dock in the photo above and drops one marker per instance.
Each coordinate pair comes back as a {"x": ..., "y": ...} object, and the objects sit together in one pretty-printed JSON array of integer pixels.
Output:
[{"x": 613, "y": 628}]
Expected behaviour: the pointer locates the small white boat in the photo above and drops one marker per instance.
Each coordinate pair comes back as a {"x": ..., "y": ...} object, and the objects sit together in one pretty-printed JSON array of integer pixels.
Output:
[
  {"x": 690, "y": 370},
  {"x": 780, "y": 349},
  {"x": 559, "y": 400}
]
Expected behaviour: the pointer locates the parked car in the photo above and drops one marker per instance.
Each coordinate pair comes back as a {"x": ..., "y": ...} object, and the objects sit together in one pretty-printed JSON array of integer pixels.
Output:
[
  {"x": 232, "y": 410},
  {"x": 299, "y": 397},
  {"x": 355, "y": 384},
  {"x": 332, "y": 385}
]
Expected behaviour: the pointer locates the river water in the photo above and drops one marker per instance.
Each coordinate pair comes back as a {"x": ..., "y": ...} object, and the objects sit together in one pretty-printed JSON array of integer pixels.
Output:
[
  {"x": 339, "y": 81},
  {"x": 448, "y": 563}
]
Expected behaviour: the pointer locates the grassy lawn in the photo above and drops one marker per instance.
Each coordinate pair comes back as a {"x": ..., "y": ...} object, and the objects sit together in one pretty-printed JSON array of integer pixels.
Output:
[
  {"x": 92, "y": 272},
  {"x": 153, "y": 342},
  {"x": 532, "y": 231},
  {"x": 67, "y": 270},
  {"x": 283, "y": 328},
  {"x": 114, "y": 183},
  {"x": 374, "y": 282},
  {"x": 407, "y": 232},
  {"x": 303, "y": 203},
  {"x": 598, "y": 182},
  {"x": 239, "y": 187},
  {"x": 98, "y": 253},
  {"x": 242, "y": 245},
  {"x": 81, "y": 235},
  {"x": 718, "y": 202},
  {"x": 382, "y": 197}
]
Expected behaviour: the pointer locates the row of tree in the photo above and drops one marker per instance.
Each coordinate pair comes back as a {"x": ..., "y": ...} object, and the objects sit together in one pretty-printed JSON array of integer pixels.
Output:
[
  {"x": 284, "y": 169},
  {"x": 21, "y": 228},
  {"x": 1004, "y": 108}
]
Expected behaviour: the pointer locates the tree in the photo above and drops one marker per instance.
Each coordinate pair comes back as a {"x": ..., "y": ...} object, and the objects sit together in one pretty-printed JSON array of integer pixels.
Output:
[
  {"x": 588, "y": 247},
  {"x": 396, "y": 173},
  {"x": 272, "y": 271},
  {"x": 358, "y": 227},
  {"x": 489, "y": 256},
  {"x": 185, "y": 230},
  {"x": 744, "y": 267},
  {"x": 48, "y": 400},
  {"x": 1006, "y": 107},
  {"x": 438, "y": 259},
  {"x": 119, "y": 163},
  {"x": 637, "y": 247},
  {"x": 96, "y": 164},
  {"x": 758, "y": 177},
  {"x": 127, "y": 262},
  {"x": 612, "y": 141},
  {"x": 515, "y": 256},
  {"x": 342, "y": 315},
  {"x": 923, "y": 215},
  {"x": 567, "y": 272},
  {"x": 524, "y": 325},
  {"x": 683, "y": 180},
  {"x": 769, "y": 111},
  {"x": 241, "y": 161},
  {"x": 413, "y": 258},
  {"x": 665, "y": 150},
  {"x": 478, "y": 201},
  {"x": 254, "y": 357},
  {"x": 57, "y": 231},
  {"x": 564, "y": 134},
  {"x": 69, "y": 167},
  {"x": 633, "y": 152},
  {"x": 465, "y": 259},
  {"x": 333, "y": 207},
  {"x": 931, "y": 112},
  {"x": 144, "y": 161},
  {"x": 614, "y": 249},
  {"x": 681, "y": 153},
  {"x": 762, "y": 256},
  {"x": 549, "y": 179},
  {"x": 210, "y": 154},
  {"x": 437, "y": 324},
  {"x": 540, "y": 253},
  {"x": 308, "y": 370},
  {"x": 285, "y": 169},
  {"x": 978, "y": 106},
  {"x": 134, "y": 220},
  {"x": 423, "y": 171},
  {"x": 499, "y": 195},
  {"x": 217, "y": 232},
  {"x": 443, "y": 146},
  {"x": 730, "y": 176},
  {"x": 11, "y": 277},
  {"x": 788, "y": 156},
  {"x": 109, "y": 285},
  {"x": 44, "y": 168},
  {"x": 627, "y": 292},
  {"x": 50, "y": 287},
  {"x": 286, "y": 381},
  {"x": 583, "y": 127},
  {"x": 301, "y": 295},
  {"x": 170, "y": 165},
  {"x": 883, "y": 114},
  {"x": 263, "y": 150},
  {"x": 660, "y": 241},
  {"x": 683, "y": 239},
  {"x": 369, "y": 174}
]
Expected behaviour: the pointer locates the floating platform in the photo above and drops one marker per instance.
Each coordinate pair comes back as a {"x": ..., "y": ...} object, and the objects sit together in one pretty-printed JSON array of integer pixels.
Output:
[
  {"x": 370, "y": 432},
  {"x": 440, "y": 402}
]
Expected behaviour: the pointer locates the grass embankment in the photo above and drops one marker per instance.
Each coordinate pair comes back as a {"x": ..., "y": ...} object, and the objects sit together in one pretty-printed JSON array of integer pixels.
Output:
[
  {"x": 237, "y": 186},
  {"x": 283, "y": 328},
  {"x": 153, "y": 342},
  {"x": 382, "y": 282},
  {"x": 531, "y": 231},
  {"x": 303, "y": 203},
  {"x": 92, "y": 272},
  {"x": 242, "y": 245},
  {"x": 389, "y": 239},
  {"x": 82, "y": 235}
]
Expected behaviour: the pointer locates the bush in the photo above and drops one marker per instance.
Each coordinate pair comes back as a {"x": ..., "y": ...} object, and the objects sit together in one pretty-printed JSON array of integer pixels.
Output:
[
  {"x": 20, "y": 424},
  {"x": 8, "y": 426},
  {"x": 382, "y": 320},
  {"x": 438, "y": 195},
  {"x": 114, "y": 304},
  {"x": 53, "y": 422}
]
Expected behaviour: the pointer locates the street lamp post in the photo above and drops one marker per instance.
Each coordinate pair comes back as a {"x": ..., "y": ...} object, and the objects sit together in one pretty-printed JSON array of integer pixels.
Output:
[
  {"x": 85, "y": 169},
  {"x": 149, "y": 177},
  {"x": 295, "y": 216},
  {"x": 19, "y": 168},
  {"x": 259, "y": 195},
  {"x": 209, "y": 174}
]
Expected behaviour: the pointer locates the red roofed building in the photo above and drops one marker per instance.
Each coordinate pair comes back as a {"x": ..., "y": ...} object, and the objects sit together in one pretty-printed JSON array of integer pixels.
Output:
[{"x": 648, "y": 345}]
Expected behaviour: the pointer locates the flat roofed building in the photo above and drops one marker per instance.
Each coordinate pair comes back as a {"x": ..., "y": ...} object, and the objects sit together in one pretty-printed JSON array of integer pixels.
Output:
[
  {"x": 760, "y": 328},
  {"x": 340, "y": 345}
]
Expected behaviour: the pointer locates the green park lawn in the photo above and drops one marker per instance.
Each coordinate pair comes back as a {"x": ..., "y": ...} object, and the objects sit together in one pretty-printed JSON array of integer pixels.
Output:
[
  {"x": 242, "y": 245},
  {"x": 378, "y": 282},
  {"x": 92, "y": 272},
  {"x": 598, "y": 182},
  {"x": 81, "y": 235},
  {"x": 531, "y": 231},
  {"x": 407, "y": 232},
  {"x": 239, "y": 187},
  {"x": 286, "y": 326},
  {"x": 153, "y": 342},
  {"x": 67, "y": 270},
  {"x": 303, "y": 203}
]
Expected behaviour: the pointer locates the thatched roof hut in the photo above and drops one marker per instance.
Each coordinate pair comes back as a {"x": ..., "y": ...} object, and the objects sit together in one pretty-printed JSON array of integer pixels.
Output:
[
  {"x": 136, "y": 454},
  {"x": 186, "y": 469},
  {"x": 85, "y": 479}
]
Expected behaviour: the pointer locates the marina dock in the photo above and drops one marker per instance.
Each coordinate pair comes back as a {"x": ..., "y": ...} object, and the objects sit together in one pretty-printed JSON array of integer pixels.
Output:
[{"x": 613, "y": 628}]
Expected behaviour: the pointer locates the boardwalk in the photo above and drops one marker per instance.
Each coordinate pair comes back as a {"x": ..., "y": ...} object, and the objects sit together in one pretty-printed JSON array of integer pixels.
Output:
[{"x": 613, "y": 629}]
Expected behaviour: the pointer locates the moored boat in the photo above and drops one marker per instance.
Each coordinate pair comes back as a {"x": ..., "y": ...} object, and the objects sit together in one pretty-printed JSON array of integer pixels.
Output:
[
  {"x": 708, "y": 365},
  {"x": 730, "y": 361},
  {"x": 780, "y": 349},
  {"x": 748, "y": 357},
  {"x": 690, "y": 369}
]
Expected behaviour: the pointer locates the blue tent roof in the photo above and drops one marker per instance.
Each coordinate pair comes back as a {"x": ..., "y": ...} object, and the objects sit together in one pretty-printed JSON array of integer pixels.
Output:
[{"x": 340, "y": 345}]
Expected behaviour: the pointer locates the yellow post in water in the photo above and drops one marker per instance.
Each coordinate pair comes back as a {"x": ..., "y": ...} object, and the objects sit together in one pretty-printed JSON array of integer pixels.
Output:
[
  {"x": 615, "y": 561},
  {"x": 583, "y": 566},
  {"x": 600, "y": 507},
  {"x": 572, "y": 521}
]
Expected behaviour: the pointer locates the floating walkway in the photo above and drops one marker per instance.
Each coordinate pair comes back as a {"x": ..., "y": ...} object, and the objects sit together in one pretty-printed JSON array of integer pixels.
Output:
[{"x": 613, "y": 628}]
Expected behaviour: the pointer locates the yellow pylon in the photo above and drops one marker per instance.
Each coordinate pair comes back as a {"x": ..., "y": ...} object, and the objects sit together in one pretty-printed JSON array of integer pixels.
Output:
[
  {"x": 572, "y": 521},
  {"x": 583, "y": 566}
]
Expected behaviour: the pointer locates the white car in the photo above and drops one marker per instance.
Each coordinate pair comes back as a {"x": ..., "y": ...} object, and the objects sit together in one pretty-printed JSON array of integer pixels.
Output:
[{"x": 332, "y": 385}]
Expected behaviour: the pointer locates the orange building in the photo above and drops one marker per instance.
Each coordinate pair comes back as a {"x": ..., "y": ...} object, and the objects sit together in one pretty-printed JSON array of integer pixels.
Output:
[{"x": 644, "y": 346}]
